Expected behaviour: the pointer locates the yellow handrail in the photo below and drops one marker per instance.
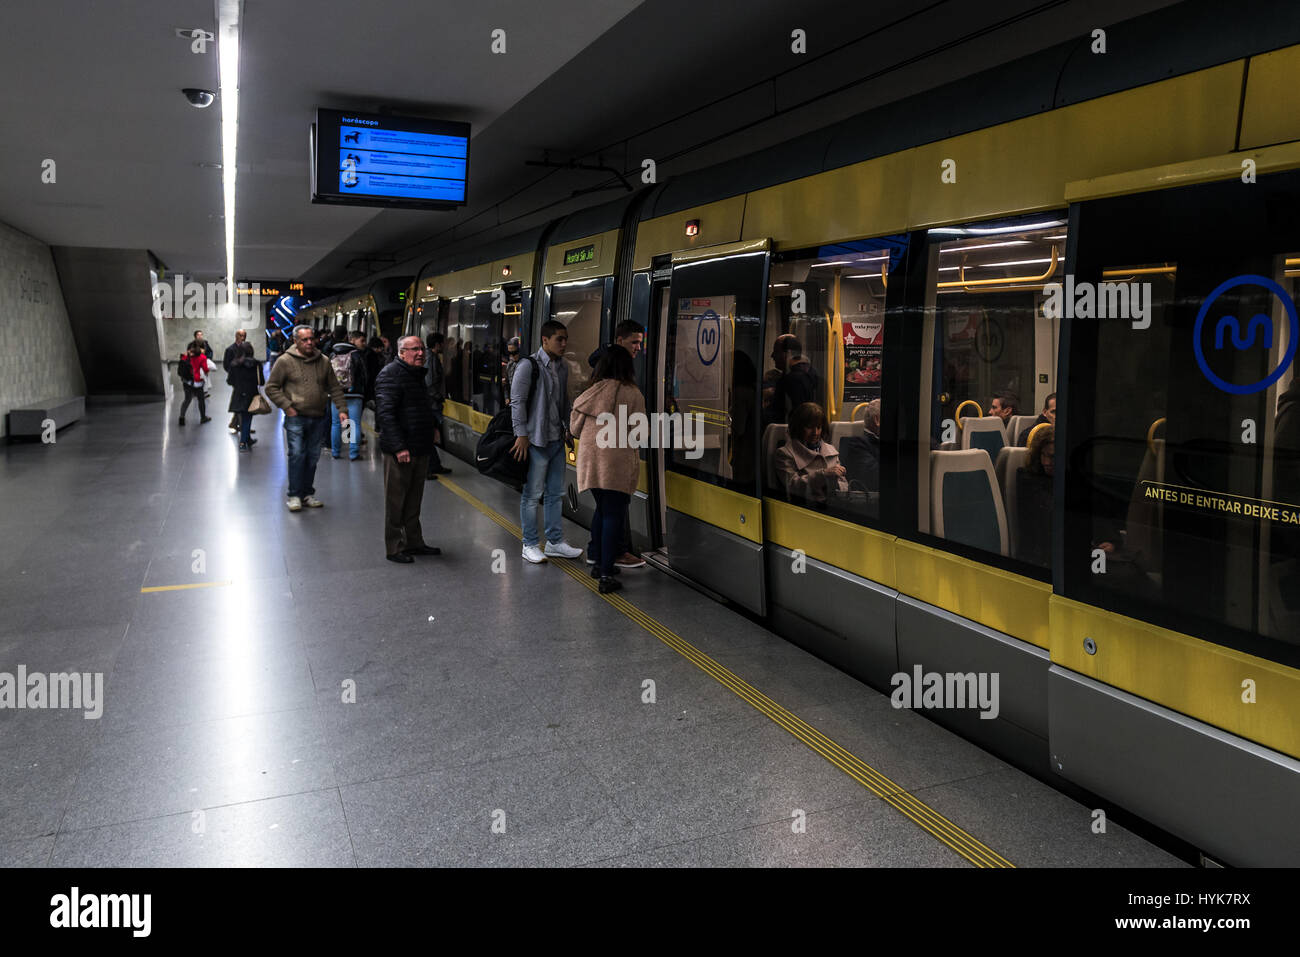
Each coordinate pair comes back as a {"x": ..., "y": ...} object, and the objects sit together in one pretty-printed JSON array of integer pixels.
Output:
[
  {"x": 958, "y": 414},
  {"x": 964, "y": 283},
  {"x": 853, "y": 416},
  {"x": 1151, "y": 434}
]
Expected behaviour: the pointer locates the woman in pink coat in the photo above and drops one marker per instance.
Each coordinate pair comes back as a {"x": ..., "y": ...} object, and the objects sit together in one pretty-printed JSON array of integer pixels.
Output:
[{"x": 607, "y": 463}]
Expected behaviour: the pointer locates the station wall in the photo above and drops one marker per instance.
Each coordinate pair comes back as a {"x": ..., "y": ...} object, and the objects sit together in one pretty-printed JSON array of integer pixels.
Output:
[{"x": 39, "y": 359}]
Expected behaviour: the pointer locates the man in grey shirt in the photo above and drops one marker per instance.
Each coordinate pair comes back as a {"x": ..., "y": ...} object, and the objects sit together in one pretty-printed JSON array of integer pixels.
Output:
[{"x": 541, "y": 434}]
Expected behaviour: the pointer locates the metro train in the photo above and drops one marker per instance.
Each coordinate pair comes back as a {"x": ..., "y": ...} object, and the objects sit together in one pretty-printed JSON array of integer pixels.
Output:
[{"x": 1050, "y": 227}]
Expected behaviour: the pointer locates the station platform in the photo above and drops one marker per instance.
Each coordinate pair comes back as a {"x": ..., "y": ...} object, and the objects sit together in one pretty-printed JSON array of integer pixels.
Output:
[{"x": 501, "y": 717}]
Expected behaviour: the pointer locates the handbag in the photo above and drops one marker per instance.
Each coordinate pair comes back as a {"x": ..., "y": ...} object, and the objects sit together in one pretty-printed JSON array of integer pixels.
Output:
[{"x": 258, "y": 405}]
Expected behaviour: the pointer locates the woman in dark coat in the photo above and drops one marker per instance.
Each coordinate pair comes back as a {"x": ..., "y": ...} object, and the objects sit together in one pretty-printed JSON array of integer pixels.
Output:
[
  {"x": 245, "y": 377},
  {"x": 1034, "y": 498}
]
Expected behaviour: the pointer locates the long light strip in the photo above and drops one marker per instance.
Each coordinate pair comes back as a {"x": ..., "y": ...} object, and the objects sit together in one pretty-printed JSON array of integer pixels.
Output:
[{"x": 228, "y": 19}]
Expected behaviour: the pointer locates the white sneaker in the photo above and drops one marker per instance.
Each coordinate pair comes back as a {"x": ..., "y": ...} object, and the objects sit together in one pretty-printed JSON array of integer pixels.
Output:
[
  {"x": 534, "y": 554},
  {"x": 562, "y": 550},
  {"x": 295, "y": 503},
  {"x": 312, "y": 502}
]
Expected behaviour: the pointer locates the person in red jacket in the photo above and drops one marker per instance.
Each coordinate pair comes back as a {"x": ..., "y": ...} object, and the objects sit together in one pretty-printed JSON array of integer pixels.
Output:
[{"x": 192, "y": 367}]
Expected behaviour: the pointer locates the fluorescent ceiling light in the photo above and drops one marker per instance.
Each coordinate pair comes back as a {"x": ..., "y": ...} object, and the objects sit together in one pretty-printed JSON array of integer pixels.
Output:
[
  {"x": 228, "y": 22},
  {"x": 995, "y": 230},
  {"x": 966, "y": 249}
]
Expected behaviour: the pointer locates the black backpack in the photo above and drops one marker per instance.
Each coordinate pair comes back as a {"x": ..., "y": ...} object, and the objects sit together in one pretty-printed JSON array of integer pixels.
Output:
[
  {"x": 184, "y": 371},
  {"x": 493, "y": 456}
]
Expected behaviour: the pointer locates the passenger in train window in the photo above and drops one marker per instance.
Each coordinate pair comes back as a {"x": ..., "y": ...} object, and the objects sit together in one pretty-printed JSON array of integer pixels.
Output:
[
  {"x": 799, "y": 382},
  {"x": 511, "y": 363},
  {"x": 608, "y": 468},
  {"x": 374, "y": 359},
  {"x": 1046, "y": 417},
  {"x": 809, "y": 468},
  {"x": 1034, "y": 498},
  {"x": 436, "y": 382},
  {"x": 1005, "y": 404},
  {"x": 860, "y": 455}
]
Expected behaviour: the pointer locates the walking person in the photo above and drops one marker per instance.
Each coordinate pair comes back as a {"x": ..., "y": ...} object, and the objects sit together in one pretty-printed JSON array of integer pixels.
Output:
[
  {"x": 232, "y": 353},
  {"x": 245, "y": 377},
  {"x": 303, "y": 384},
  {"x": 349, "y": 366},
  {"x": 437, "y": 382},
  {"x": 608, "y": 468},
  {"x": 541, "y": 435},
  {"x": 193, "y": 366},
  {"x": 405, "y": 417}
]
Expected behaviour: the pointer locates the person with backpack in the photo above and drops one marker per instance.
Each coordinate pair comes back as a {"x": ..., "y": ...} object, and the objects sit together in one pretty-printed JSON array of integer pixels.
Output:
[
  {"x": 348, "y": 362},
  {"x": 245, "y": 376},
  {"x": 405, "y": 418},
  {"x": 608, "y": 468},
  {"x": 540, "y": 419},
  {"x": 193, "y": 366},
  {"x": 303, "y": 384}
]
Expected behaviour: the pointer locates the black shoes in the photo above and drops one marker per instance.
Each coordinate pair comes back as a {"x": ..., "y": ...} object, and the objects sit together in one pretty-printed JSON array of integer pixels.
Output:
[
  {"x": 206, "y": 418},
  {"x": 401, "y": 559},
  {"x": 595, "y": 572},
  {"x": 182, "y": 420},
  {"x": 423, "y": 550},
  {"x": 609, "y": 584}
]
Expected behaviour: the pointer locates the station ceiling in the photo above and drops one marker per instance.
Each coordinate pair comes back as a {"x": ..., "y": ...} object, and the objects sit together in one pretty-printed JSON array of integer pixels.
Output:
[{"x": 96, "y": 87}]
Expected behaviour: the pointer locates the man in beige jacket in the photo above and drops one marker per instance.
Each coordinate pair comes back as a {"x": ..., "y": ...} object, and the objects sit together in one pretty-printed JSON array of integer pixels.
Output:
[{"x": 303, "y": 384}]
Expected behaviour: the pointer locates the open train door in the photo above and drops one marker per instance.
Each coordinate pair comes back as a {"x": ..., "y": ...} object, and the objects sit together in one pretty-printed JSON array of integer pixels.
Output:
[{"x": 709, "y": 347}]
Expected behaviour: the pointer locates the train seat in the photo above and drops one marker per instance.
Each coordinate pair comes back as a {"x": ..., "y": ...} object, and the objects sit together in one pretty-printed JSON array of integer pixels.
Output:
[
  {"x": 843, "y": 430},
  {"x": 1010, "y": 460},
  {"x": 965, "y": 505},
  {"x": 774, "y": 436},
  {"x": 1017, "y": 424},
  {"x": 987, "y": 433}
]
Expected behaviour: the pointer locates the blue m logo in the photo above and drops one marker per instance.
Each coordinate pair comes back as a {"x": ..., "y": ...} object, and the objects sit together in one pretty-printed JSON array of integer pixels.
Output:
[{"x": 1230, "y": 324}]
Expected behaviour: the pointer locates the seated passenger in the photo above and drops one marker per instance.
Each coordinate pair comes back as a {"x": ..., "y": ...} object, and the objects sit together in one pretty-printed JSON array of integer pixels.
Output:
[
  {"x": 1046, "y": 417},
  {"x": 1034, "y": 499},
  {"x": 1005, "y": 404},
  {"x": 861, "y": 455},
  {"x": 808, "y": 467},
  {"x": 799, "y": 381}
]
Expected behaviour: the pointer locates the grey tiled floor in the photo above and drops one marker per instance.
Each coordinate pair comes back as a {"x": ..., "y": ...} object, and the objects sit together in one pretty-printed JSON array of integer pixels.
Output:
[{"x": 498, "y": 718}]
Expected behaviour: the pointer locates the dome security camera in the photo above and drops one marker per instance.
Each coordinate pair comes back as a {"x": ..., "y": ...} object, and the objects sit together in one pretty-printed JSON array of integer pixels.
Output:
[{"x": 199, "y": 99}]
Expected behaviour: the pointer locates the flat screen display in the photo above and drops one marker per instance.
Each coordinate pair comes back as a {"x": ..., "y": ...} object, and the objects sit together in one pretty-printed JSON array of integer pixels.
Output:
[{"x": 369, "y": 159}]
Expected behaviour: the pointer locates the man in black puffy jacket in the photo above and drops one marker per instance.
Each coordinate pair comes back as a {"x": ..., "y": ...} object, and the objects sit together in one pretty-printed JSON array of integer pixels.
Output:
[{"x": 404, "y": 416}]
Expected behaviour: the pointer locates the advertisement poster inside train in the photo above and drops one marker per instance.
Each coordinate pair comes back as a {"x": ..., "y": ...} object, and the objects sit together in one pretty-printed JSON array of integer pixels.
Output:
[{"x": 863, "y": 347}]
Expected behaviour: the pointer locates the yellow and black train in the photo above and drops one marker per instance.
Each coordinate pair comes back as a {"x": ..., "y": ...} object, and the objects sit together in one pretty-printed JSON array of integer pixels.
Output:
[{"x": 1123, "y": 237}]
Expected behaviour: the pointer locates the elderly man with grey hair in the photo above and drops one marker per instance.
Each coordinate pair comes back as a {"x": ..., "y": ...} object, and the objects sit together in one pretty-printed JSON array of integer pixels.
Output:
[
  {"x": 860, "y": 455},
  {"x": 405, "y": 419},
  {"x": 234, "y": 352}
]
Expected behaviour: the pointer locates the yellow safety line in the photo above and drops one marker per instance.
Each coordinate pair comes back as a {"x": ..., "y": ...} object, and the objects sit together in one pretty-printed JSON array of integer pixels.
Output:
[
  {"x": 182, "y": 587},
  {"x": 878, "y": 784}
]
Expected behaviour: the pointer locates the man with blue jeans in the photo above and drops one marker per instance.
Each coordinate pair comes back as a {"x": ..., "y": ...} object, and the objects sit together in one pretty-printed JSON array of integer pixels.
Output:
[
  {"x": 541, "y": 433},
  {"x": 303, "y": 384},
  {"x": 349, "y": 365}
]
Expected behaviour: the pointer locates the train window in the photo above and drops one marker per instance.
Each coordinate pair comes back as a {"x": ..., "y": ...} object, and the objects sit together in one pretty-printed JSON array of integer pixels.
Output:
[
  {"x": 485, "y": 361},
  {"x": 458, "y": 350},
  {"x": 1188, "y": 488},
  {"x": 824, "y": 343},
  {"x": 993, "y": 344},
  {"x": 579, "y": 305}
]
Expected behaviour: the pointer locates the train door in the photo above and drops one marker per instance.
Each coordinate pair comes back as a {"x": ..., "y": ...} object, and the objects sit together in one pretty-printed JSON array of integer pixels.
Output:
[
  {"x": 709, "y": 343},
  {"x": 656, "y": 393}
]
